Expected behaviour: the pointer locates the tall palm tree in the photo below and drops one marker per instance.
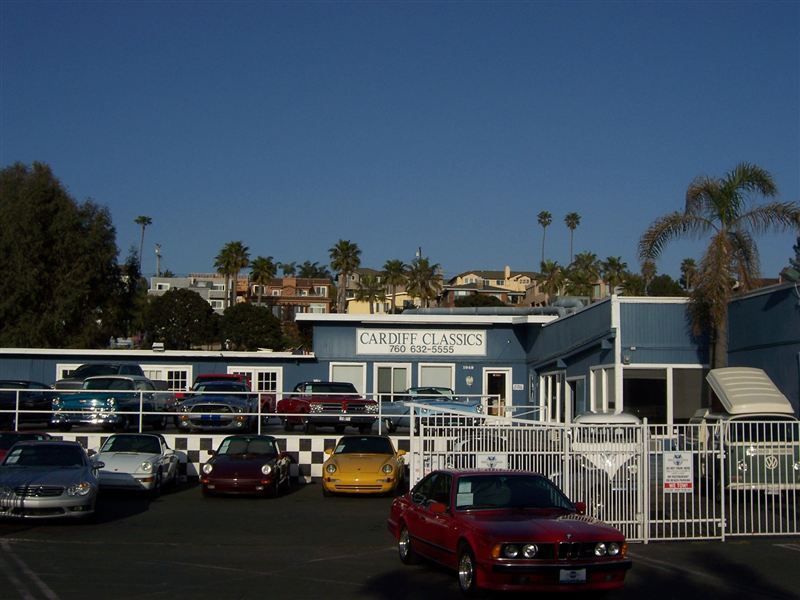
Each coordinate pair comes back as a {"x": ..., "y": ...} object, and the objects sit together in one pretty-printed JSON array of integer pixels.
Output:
[
  {"x": 648, "y": 271},
  {"x": 309, "y": 270},
  {"x": 233, "y": 257},
  {"x": 395, "y": 273},
  {"x": 572, "y": 221},
  {"x": 688, "y": 273},
  {"x": 345, "y": 258},
  {"x": 370, "y": 289},
  {"x": 262, "y": 271},
  {"x": 544, "y": 218},
  {"x": 289, "y": 269},
  {"x": 424, "y": 280},
  {"x": 582, "y": 274},
  {"x": 613, "y": 270},
  {"x": 721, "y": 209},
  {"x": 552, "y": 276},
  {"x": 143, "y": 222}
]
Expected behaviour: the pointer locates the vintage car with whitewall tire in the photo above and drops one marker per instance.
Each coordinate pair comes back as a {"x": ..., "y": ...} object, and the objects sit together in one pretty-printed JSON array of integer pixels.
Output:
[
  {"x": 507, "y": 531},
  {"x": 113, "y": 402},
  {"x": 48, "y": 479},
  {"x": 246, "y": 464},
  {"x": 218, "y": 406},
  {"x": 136, "y": 461},
  {"x": 434, "y": 406}
]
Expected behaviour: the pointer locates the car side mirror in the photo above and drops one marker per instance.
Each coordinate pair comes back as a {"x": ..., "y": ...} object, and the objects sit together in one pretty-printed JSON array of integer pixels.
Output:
[
  {"x": 437, "y": 508},
  {"x": 169, "y": 452},
  {"x": 98, "y": 465},
  {"x": 401, "y": 453},
  {"x": 91, "y": 452},
  {"x": 212, "y": 452},
  {"x": 328, "y": 451},
  {"x": 580, "y": 507}
]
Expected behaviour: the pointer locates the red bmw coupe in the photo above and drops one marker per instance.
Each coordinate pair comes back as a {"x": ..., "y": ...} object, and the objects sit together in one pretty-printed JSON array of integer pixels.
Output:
[{"x": 508, "y": 531}]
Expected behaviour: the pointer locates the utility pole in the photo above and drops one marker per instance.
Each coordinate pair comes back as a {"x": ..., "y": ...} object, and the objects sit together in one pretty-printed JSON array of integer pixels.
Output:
[{"x": 158, "y": 260}]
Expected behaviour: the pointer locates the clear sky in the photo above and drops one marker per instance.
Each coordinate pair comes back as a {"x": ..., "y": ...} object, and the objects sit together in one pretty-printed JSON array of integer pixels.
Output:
[{"x": 442, "y": 125}]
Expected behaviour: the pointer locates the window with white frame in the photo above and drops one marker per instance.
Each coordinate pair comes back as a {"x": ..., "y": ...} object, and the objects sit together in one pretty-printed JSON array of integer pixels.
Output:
[
  {"x": 162, "y": 287},
  {"x": 437, "y": 375},
  {"x": 355, "y": 373},
  {"x": 218, "y": 287},
  {"x": 216, "y": 304}
]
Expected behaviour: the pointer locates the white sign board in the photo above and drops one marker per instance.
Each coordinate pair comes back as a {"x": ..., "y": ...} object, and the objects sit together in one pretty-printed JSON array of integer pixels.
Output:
[
  {"x": 490, "y": 460},
  {"x": 678, "y": 473},
  {"x": 421, "y": 342}
]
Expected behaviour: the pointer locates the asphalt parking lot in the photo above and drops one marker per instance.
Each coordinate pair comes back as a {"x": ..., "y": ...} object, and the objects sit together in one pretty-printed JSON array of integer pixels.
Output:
[{"x": 302, "y": 545}]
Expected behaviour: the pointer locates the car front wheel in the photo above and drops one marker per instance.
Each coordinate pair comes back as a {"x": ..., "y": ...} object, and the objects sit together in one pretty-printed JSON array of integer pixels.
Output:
[
  {"x": 404, "y": 548},
  {"x": 467, "y": 581}
]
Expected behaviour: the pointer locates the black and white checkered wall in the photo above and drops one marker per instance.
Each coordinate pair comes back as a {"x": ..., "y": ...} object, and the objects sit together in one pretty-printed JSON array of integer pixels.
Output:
[{"x": 307, "y": 452}]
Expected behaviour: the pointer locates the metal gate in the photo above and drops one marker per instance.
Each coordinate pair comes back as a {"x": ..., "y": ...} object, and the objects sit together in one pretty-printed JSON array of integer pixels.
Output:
[{"x": 653, "y": 482}]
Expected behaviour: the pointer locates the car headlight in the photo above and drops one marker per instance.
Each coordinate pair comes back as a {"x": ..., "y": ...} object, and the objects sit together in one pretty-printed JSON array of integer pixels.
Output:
[
  {"x": 387, "y": 468},
  {"x": 183, "y": 408},
  {"x": 479, "y": 408},
  {"x": 79, "y": 489},
  {"x": 112, "y": 402},
  {"x": 613, "y": 549},
  {"x": 146, "y": 466},
  {"x": 330, "y": 468},
  {"x": 6, "y": 492},
  {"x": 511, "y": 551},
  {"x": 315, "y": 408},
  {"x": 600, "y": 549},
  {"x": 266, "y": 469},
  {"x": 207, "y": 468},
  {"x": 742, "y": 466},
  {"x": 530, "y": 550},
  {"x": 371, "y": 408},
  {"x": 56, "y": 403}
]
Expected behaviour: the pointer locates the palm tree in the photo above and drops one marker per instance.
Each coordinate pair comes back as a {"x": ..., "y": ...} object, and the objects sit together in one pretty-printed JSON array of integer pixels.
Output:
[
  {"x": 233, "y": 257},
  {"x": 582, "y": 274},
  {"x": 719, "y": 208},
  {"x": 648, "y": 271},
  {"x": 424, "y": 280},
  {"x": 309, "y": 270},
  {"x": 544, "y": 218},
  {"x": 688, "y": 273},
  {"x": 345, "y": 258},
  {"x": 395, "y": 273},
  {"x": 613, "y": 270},
  {"x": 262, "y": 271},
  {"x": 370, "y": 289},
  {"x": 552, "y": 276},
  {"x": 143, "y": 222},
  {"x": 572, "y": 220},
  {"x": 289, "y": 269}
]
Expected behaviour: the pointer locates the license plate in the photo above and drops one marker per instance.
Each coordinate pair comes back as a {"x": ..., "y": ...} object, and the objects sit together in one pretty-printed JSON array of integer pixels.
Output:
[
  {"x": 344, "y": 418},
  {"x": 572, "y": 576}
]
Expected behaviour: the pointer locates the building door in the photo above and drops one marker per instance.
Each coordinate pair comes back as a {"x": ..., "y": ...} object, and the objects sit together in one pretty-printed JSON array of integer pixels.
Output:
[{"x": 497, "y": 386}]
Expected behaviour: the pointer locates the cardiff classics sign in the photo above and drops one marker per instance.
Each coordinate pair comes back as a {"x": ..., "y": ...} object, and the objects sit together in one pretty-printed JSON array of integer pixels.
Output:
[{"x": 421, "y": 342}]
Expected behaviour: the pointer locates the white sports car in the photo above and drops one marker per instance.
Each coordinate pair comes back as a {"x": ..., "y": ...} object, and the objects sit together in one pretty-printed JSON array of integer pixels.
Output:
[{"x": 139, "y": 461}]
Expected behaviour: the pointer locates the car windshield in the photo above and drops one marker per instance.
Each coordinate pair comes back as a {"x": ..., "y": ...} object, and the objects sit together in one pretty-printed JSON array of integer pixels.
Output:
[
  {"x": 85, "y": 371},
  {"x": 430, "y": 391},
  {"x": 606, "y": 434},
  {"x": 492, "y": 491},
  {"x": 219, "y": 386},
  {"x": 248, "y": 445},
  {"x": 9, "y": 439},
  {"x": 766, "y": 429},
  {"x": 145, "y": 444},
  {"x": 56, "y": 455},
  {"x": 109, "y": 383},
  {"x": 364, "y": 445},
  {"x": 329, "y": 388}
]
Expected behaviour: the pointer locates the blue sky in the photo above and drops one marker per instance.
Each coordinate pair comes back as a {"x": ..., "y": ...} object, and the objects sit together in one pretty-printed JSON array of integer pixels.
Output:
[{"x": 398, "y": 125}]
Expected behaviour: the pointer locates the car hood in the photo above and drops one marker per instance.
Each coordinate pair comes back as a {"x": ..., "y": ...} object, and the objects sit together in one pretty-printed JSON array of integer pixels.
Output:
[
  {"x": 215, "y": 399},
  {"x": 241, "y": 464},
  {"x": 126, "y": 462},
  {"x": 352, "y": 463},
  {"x": 541, "y": 524},
  {"x": 65, "y": 476}
]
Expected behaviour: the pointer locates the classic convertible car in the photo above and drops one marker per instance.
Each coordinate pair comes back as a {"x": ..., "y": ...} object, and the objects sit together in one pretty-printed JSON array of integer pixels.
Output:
[
  {"x": 47, "y": 479},
  {"x": 434, "y": 401},
  {"x": 138, "y": 461},
  {"x": 218, "y": 405},
  {"x": 363, "y": 464},
  {"x": 246, "y": 464},
  {"x": 507, "y": 530}
]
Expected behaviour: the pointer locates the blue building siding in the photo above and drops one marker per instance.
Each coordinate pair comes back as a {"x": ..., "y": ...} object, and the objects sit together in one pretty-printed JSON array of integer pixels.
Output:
[{"x": 660, "y": 333}]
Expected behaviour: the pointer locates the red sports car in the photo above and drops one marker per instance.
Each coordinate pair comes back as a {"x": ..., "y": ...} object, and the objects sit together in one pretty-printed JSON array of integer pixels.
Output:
[
  {"x": 507, "y": 530},
  {"x": 246, "y": 464}
]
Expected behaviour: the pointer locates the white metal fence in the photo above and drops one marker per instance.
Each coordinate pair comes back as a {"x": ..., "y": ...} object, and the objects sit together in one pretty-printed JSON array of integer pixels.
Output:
[{"x": 653, "y": 482}]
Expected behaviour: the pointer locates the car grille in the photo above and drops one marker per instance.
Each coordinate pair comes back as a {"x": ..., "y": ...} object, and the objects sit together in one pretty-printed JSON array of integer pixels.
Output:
[
  {"x": 338, "y": 407},
  {"x": 363, "y": 487},
  {"x": 573, "y": 550},
  {"x": 211, "y": 408},
  {"x": 38, "y": 491}
]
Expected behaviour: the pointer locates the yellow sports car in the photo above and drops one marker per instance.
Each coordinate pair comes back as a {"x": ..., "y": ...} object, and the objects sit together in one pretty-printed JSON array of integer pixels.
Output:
[{"x": 363, "y": 464}]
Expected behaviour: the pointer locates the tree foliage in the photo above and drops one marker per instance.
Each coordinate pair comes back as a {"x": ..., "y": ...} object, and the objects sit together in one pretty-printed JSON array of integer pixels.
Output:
[
  {"x": 345, "y": 259},
  {"x": 60, "y": 279},
  {"x": 478, "y": 300},
  {"x": 249, "y": 327},
  {"x": 181, "y": 319}
]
